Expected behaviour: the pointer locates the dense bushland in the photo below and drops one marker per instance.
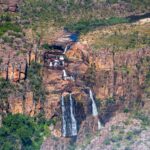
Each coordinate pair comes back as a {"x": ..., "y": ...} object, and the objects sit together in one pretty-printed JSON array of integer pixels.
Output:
[
  {"x": 5, "y": 89},
  {"x": 72, "y": 13},
  {"x": 22, "y": 132},
  {"x": 35, "y": 78}
]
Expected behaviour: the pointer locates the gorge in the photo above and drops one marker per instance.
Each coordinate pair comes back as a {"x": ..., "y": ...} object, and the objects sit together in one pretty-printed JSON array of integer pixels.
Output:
[{"x": 74, "y": 75}]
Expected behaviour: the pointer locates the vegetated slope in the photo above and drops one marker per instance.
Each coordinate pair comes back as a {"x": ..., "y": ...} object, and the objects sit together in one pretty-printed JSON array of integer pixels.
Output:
[
  {"x": 83, "y": 16},
  {"x": 22, "y": 132},
  {"x": 119, "y": 37},
  {"x": 67, "y": 13}
]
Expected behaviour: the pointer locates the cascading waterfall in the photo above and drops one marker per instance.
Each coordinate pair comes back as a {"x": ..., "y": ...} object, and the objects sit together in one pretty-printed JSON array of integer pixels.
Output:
[
  {"x": 66, "y": 77},
  {"x": 63, "y": 116},
  {"x": 94, "y": 109},
  {"x": 66, "y": 48},
  {"x": 64, "y": 74},
  {"x": 73, "y": 119}
]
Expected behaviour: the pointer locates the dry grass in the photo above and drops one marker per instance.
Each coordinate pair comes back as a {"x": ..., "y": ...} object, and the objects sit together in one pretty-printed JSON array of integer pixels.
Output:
[{"x": 119, "y": 36}]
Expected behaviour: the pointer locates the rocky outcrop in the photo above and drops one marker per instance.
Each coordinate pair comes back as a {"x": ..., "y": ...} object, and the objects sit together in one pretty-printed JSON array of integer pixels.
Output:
[
  {"x": 13, "y": 67},
  {"x": 119, "y": 76},
  {"x": 9, "y": 5}
]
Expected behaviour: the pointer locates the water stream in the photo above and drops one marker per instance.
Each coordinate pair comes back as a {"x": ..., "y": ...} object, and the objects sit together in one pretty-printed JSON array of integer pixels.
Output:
[
  {"x": 63, "y": 116},
  {"x": 94, "y": 109},
  {"x": 64, "y": 74},
  {"x": 73, "y": 119},
  {"x": 66, "y": 48}
]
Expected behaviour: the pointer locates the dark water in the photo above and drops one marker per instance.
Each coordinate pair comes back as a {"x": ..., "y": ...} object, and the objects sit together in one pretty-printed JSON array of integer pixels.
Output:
[
  {"x": 135, "y": 18},
  {"x": 56, "y": 47},
  {"x": 74, "y": 37}
]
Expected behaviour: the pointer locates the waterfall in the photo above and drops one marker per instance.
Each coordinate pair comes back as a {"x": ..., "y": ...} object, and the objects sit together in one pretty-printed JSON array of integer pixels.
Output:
[
  {"x": 51, "y": 64},
  {"x": 73, "y": 120},
  {"x": 64, "y": 74},
  {"x": 94, "y": 109},
  {"x": 66, "y": 48},
  {"x": 63, "y": 116}
]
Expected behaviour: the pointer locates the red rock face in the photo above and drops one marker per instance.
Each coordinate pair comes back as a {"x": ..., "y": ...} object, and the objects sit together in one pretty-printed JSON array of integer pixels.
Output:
[
  {"x": 120, "y": 75},
  {"x": 10, "y": 5},
  {"x": 13, "y": 67}
]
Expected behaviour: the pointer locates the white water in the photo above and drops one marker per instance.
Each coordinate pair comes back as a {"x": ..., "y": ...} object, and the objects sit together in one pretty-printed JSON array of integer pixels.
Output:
[
  {"x": 94, "y": 109},
  {"x": 51, "y": 64},
  {"x": 66, "y": 48},
  {"x": 73, "y": 120},
  {"x": 64, "y": 74},
  {"x": 99, "y": 125},
  {"x": 63, "y": 116}
]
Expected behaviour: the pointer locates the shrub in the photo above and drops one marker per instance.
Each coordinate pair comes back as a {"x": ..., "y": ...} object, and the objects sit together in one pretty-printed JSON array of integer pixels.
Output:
[
  {"x": 129, "y": 135},
  {"x": 126, "y": 110},
  {"x": 7, "y": 39},
  {"x": 20, "y": 131},
  {"x": 5, "y": 88},
  {"x": 84, "y": 26},
  {"x": 107, "y": 141},
  {"x": 46, "y": 46},
  {"x": 4, "y": 27},
  {"x": 90, "y": 76},
  {"x": 143, "y": 117},
  {"x": 35, "y": 78},
  {"x": 5, "y": 17},
  {"x": 110, "y": 101}
]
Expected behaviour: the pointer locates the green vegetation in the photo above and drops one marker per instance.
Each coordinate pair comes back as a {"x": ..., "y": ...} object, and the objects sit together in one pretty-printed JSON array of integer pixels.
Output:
[
  {"x": 35, "y": 78},
  {"x": 46, "y": 46},
  {"x": 143, "y": 117},
  {"x": 5, "y": 88},
  {"x": 121, "y": 41},
  {"x": 4, "y": 27},
  {"x": 1, "y": 60},
  {"x": 134, "y": 4},
  {"x": 146, "y": 62},
  {"x": 5, "y": 17},
  {"x": 22, "y": 132},
  {"x": 84, "y": 26},
  {"x": 90, "y": 76},
  {"x": 72, "y": 13}
]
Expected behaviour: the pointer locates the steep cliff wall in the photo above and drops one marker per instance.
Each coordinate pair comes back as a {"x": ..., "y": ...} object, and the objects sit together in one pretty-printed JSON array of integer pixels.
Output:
[{"x": 120, "y": 76}]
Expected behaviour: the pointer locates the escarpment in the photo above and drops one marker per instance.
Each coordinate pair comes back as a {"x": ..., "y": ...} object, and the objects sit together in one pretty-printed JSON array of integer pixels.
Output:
[{"x": 82, "y": 88}]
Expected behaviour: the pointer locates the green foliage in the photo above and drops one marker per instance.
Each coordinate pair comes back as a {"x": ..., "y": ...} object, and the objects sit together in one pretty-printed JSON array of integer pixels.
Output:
[
  {"x": 116, "y": 138},
  {"x": 129, "y": 135},
  {"x": 21, "y": 132},
  {"x": 121, "y": 41},
  {"x": 126, "y": 110},
  {"x": 72, "y": 14},
  {"x": 46, "y": 46},
  {"x": 4, "y": 27},
  {"x": 35, "y": 78},
  {"x": 147, "y": 81},
  {"x": 7, "y": 39},
  {"x": 84, "y": 26},
  {"x": 5, "y": 17},
  {"x": 5, "y": 88},
  {"x": 134, "y": 4},
  {"x": 90, "y": 76},
  {"x": 143, "y": 117},
  {"x": 110, "y": 101},
  {"x": 107, "y": 141},
  {"x": 1, "y": 60}
]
